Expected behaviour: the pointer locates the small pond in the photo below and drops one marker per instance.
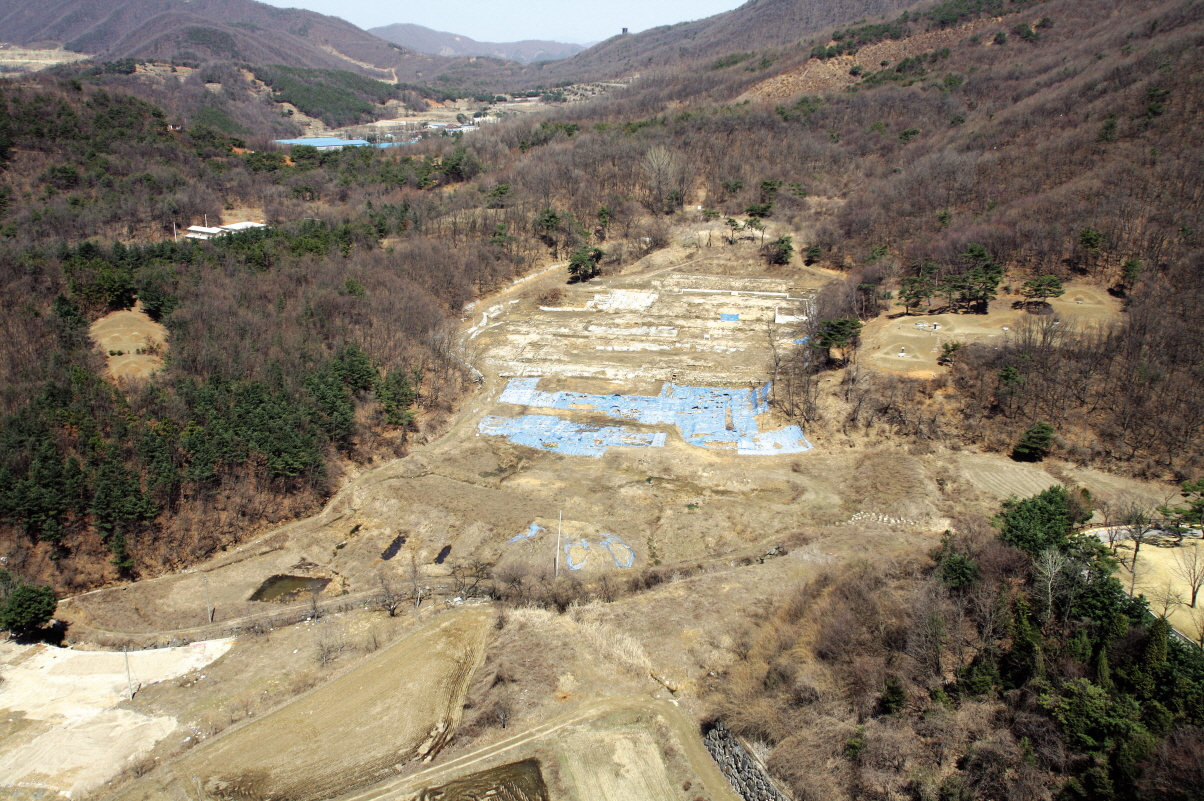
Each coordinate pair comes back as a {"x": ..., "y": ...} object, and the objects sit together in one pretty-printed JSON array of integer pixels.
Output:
[
  {"x": 283, "y": 589},
  {"x": 518, "y": 780}
]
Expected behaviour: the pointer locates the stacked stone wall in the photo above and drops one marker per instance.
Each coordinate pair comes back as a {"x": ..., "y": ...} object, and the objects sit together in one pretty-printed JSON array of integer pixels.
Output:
[{"x": 746, "y": 776}]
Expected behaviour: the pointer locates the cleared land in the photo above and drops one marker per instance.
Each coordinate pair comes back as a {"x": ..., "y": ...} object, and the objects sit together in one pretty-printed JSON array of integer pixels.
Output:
[
  {"x": 912, "y": 343},
  {"x": 688, "y": 316},
  {"x": 1160, "y": 583},
  {"x": 132, "y": 342},
  {"x": 65, "y": 731},
  {"x": 399, "y": 705},
  {"x": 611, "y": 749},
  {"x": 600, "y": 702}
]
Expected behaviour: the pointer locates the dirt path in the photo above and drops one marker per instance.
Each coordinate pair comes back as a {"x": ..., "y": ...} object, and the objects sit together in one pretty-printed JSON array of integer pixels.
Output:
[{"x": 684, "y": 730}]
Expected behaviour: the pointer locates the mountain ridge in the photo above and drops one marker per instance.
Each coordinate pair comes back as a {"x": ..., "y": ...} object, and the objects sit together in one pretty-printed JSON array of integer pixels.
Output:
[{"x": 443, "y": 43}]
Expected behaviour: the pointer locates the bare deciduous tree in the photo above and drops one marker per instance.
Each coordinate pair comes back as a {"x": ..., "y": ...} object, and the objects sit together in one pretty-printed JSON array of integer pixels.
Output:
[
  {"x": 1165, "y": 598},
  {"x": 666, "y": 180},
  {"x": 1049, "y": 568},
  {"x": 1140, "y": 522},
  {"x": 415, "y": 578},
  {"x": 1189, "y": 567},
  {"x": 390, "y": 598}
]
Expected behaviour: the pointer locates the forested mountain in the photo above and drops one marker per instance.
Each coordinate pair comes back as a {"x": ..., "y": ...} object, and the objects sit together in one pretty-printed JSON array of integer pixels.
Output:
[
  {"x": 1000, "y": 143},
  {"x": 757, "y": 25},
  {"x": 198, "y": 31},
  {"x": 441, "y": 43},
  {"x": 1062, "y": 140}
]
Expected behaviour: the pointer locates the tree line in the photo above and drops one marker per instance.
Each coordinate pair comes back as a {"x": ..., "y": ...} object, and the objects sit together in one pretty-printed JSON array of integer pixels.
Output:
[{"x": 1010, "y": 663}]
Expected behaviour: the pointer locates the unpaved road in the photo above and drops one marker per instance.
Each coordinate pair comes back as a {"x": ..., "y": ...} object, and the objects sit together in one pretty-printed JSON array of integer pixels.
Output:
[{"x": 512, "y": 749}]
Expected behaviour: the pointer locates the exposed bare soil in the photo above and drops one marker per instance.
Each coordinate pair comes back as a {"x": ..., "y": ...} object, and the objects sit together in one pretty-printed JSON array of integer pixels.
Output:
[
  {"x": 818, "y": 76},
  {"x": 579, "y": 686},
  {"x": 399, "y": 705},
  {"x": 67, "y": 729},
  {"x": 132, "y": 342},
  {"x": 911, "y": 343}
]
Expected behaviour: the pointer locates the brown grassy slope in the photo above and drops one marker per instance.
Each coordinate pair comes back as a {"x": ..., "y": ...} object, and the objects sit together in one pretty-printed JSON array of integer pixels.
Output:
[{"x": 756, "y": 25}]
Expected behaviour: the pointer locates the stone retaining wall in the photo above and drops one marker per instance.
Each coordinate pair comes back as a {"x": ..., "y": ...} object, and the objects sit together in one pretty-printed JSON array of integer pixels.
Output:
[{"x": 747, "y": 779}]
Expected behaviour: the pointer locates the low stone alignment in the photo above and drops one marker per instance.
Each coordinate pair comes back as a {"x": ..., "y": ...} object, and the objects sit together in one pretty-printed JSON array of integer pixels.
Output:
[{"x": 746, "y": 776}]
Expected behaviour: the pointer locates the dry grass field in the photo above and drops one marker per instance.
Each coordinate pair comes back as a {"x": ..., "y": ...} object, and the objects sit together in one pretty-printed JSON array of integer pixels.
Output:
[{"x": 1160, "y": 582}]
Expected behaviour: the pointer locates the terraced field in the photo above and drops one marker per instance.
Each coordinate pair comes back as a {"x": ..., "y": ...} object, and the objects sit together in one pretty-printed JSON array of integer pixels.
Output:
[{"x": 1001, "y": 478}]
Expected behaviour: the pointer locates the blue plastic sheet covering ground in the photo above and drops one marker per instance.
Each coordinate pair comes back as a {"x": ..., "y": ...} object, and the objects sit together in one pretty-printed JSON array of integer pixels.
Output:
[
  {"x": 569, "y": 546},
  {"x": 619, "y": 551},
  {"x": 729, "y": 318},
  {"x": 532, "y": 530},
  {"x": 564, "y": 436},
  {"x": 709, "y": 417}
]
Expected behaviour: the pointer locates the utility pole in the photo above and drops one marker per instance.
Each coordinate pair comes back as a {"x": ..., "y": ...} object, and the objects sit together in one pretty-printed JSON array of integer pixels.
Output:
[
  {"x": 128, "y": 681},
  {"x": 556, "y": 567},
  {"x": 175, "y": 236},
  {"x": 208, "y": 606}
]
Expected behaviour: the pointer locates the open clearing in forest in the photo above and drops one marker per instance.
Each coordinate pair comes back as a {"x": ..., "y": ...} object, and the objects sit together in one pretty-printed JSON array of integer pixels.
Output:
[
  {"x": 1157, "y": 577},
  {"x": 65, "y": 730},
  {"x": 911, "y": 343},
  {"x": 398, "y": 705},
  {"x": 138, "y": 339},
  {"x": 669, "y": 490}
]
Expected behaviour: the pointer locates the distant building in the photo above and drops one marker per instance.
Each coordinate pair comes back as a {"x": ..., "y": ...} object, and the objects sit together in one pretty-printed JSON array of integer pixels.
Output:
[{"x": 202, "y": 232}]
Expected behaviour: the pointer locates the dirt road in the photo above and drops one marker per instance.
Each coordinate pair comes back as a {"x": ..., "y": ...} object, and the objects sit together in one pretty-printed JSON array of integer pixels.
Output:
[{"x": 514, "y": 748}]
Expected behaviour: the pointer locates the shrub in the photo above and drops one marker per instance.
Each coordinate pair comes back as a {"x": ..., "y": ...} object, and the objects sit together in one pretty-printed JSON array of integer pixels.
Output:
[
  {"x": 779, "y": 251},
  {"x": 894, "y": 696},
  {"x": 1025, "y": 32}
]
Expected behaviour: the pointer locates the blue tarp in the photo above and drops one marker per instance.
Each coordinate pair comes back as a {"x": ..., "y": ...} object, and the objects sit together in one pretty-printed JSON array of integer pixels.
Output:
[
  {"x": 616, "y": 546},
  {"x": 564, "y": 436},
  {"x": 729, "y": 318},
  {"x": 532, "y": 530},
  {"x": 709, "y": 417},
  {"x": 325, "y": 141}
]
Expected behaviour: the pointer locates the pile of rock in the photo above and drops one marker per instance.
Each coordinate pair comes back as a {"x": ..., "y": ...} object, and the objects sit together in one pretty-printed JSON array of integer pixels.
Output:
[{"x": 741, "y": 770}]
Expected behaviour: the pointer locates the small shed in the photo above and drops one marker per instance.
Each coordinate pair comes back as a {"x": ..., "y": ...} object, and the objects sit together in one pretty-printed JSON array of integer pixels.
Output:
[{"x": 202, "y": 232}]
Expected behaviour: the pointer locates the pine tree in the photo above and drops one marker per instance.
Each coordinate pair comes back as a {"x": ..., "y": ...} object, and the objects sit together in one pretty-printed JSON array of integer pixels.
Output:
[{"x": 1035, "y": 443}]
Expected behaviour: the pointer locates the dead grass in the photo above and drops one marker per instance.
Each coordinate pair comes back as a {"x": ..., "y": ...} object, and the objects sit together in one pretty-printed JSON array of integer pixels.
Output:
[
  {"x": 133, "y": 343},
  {"x": 331, "y": 739}
]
